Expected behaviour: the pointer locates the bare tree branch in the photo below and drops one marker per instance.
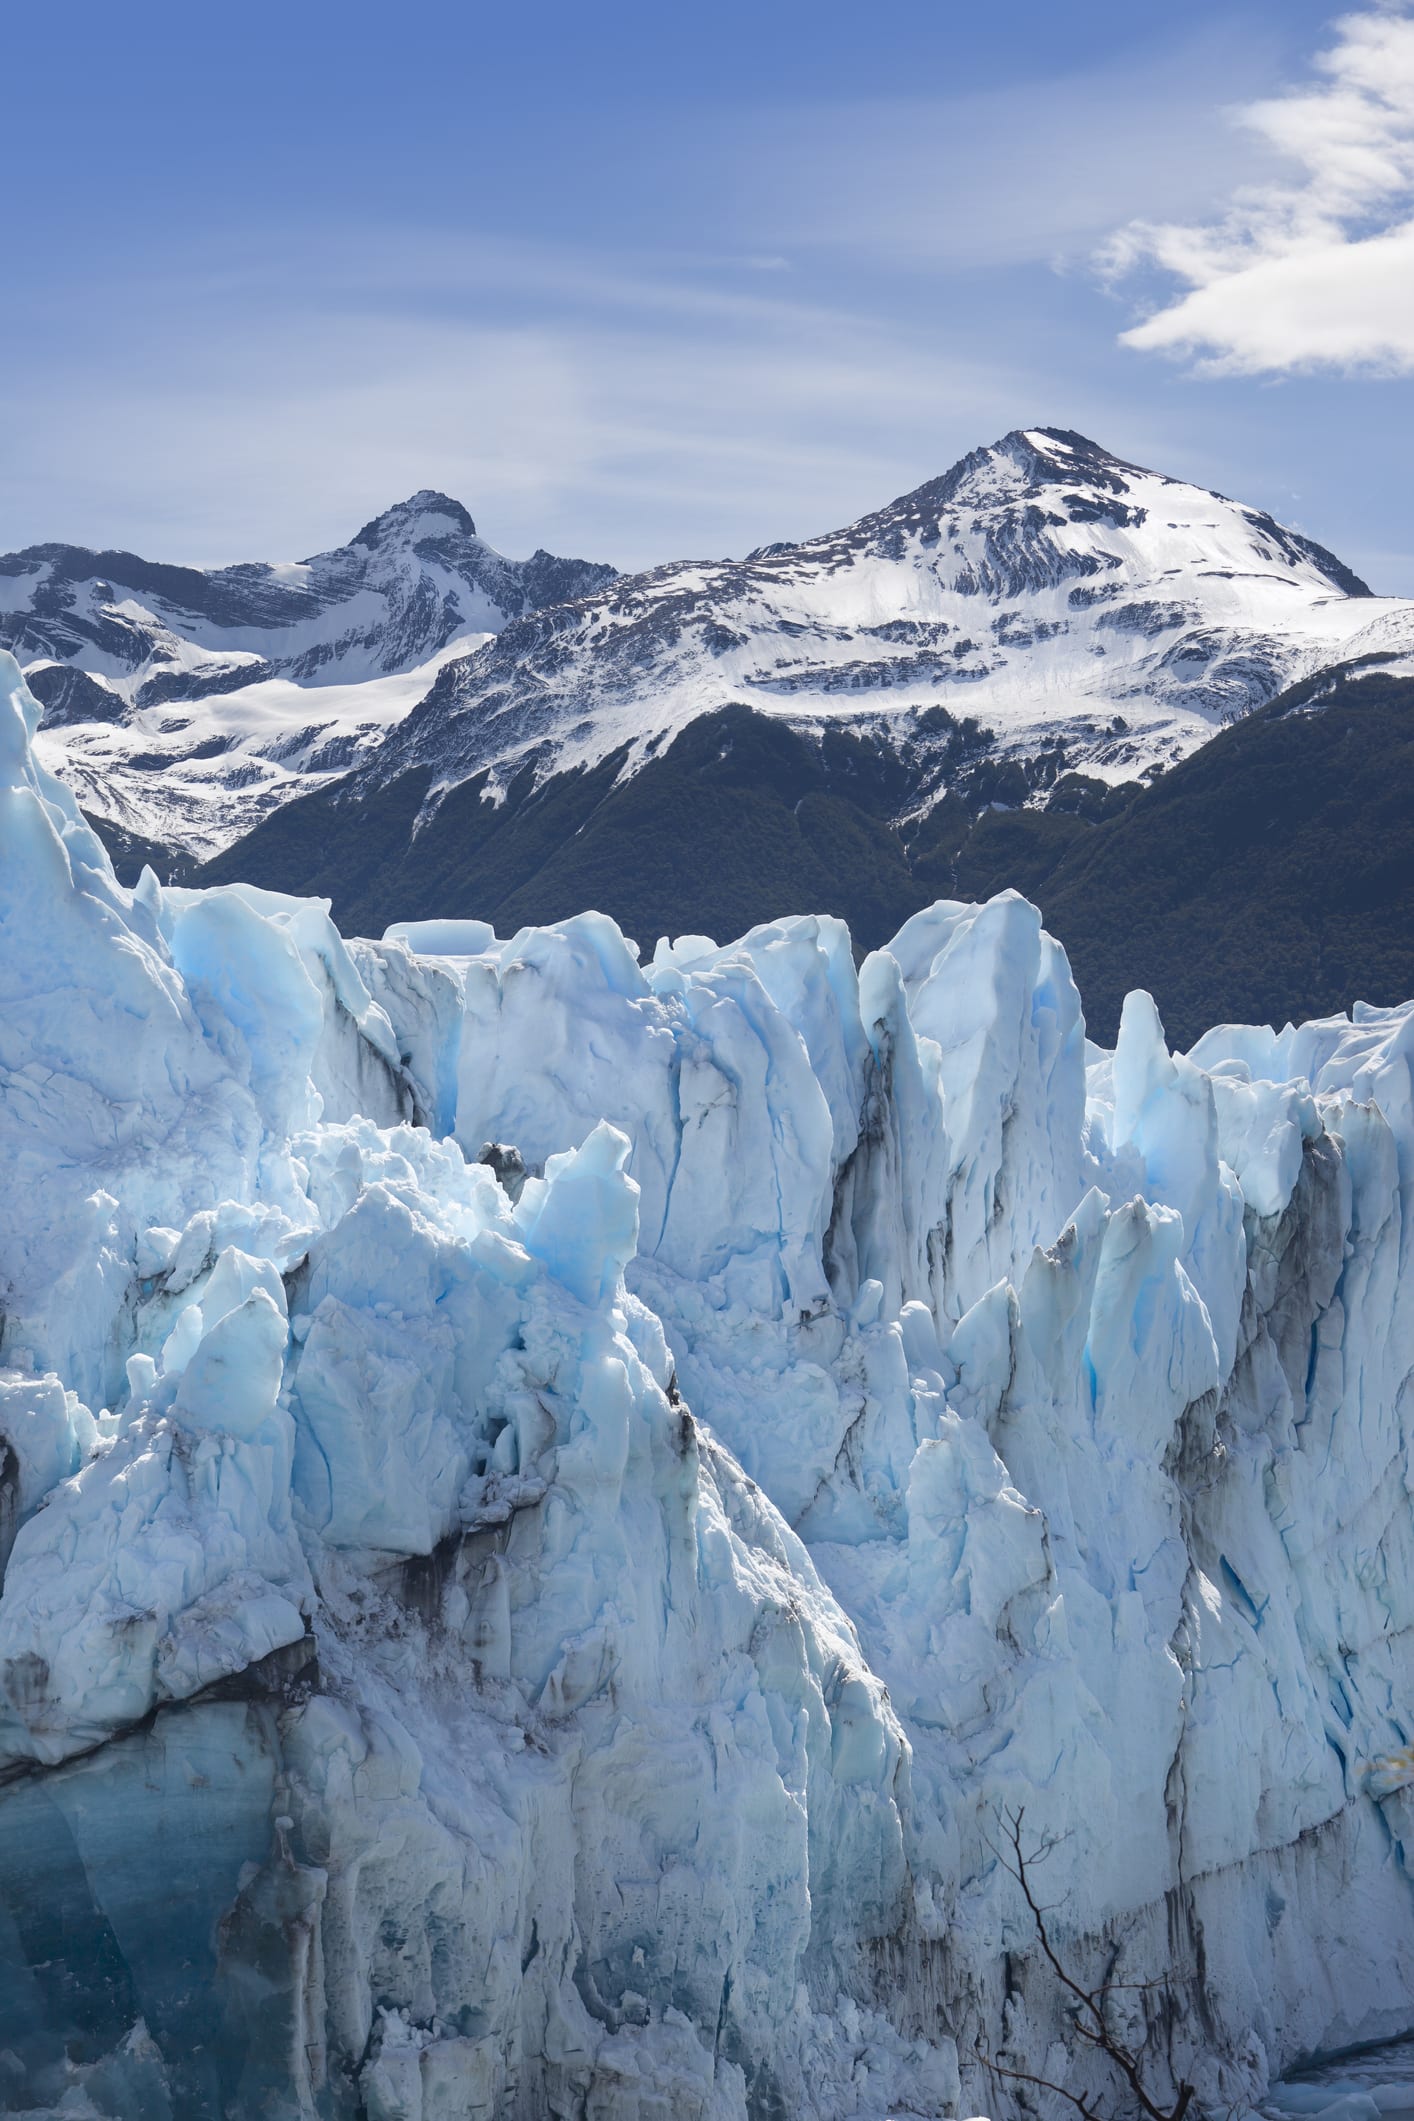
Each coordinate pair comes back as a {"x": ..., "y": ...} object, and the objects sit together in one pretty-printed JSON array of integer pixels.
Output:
[
  {"x": 1087, "y": 2006},
  {"x": 1021, "y": 2076}
]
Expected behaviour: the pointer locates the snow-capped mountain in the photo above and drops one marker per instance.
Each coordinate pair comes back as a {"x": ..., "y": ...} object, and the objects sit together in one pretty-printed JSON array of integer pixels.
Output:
[
  {"x": 412, "y": 580},
  {"x": 844, "y": 724},
  {"x": 193, "y": 700},
  {"x": 1067, "y": 611},
  {"x": 553, "y": 1503},
  {"x": 1042, "y": 587}
]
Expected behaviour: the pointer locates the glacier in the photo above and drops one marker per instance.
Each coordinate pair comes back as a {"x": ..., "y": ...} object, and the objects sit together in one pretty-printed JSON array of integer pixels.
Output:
[{"x": 551, "y": 1499}]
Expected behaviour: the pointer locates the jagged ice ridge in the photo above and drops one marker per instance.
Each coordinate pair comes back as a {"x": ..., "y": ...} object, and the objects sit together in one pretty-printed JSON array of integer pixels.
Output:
[{"x": 549, "y": 1635}]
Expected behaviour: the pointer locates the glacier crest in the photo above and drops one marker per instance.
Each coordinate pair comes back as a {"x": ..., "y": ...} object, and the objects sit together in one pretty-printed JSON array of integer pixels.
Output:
[{"x": 570, "y": 1638}]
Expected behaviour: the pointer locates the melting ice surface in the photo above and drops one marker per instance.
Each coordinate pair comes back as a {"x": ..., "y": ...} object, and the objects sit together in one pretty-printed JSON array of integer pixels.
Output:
[
  {"x": 551, "y": 1636},
  {"x": 1375, "y": 2085}
]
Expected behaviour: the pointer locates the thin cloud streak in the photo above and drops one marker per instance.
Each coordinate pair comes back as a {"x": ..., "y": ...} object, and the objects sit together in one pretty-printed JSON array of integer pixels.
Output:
[
  {"x": 613, "y": 401},
  {"x": 1025, "y": 175}
]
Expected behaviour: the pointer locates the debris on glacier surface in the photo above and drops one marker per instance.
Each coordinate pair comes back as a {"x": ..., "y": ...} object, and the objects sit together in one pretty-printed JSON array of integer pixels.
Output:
[{"x": 548, "y": 1500}]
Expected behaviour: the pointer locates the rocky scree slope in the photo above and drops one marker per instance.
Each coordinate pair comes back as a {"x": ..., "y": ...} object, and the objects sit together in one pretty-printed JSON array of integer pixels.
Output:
[{"x": 569, "y": 1619}]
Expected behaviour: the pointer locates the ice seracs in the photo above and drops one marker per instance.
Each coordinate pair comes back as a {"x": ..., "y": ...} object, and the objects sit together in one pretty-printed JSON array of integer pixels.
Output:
[{"x": 569, "y": 1632}]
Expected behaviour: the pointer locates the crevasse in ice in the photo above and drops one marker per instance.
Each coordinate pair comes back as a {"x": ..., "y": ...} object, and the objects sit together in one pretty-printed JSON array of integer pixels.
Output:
[{"x": 555, "y": 1635}]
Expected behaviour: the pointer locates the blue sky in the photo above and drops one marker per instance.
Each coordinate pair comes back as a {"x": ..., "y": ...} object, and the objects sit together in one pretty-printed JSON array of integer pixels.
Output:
[{"x": 643, "y": 282}]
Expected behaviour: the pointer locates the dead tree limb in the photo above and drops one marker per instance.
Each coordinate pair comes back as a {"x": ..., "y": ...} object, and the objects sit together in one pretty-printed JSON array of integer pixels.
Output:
[{"x": 1087, "y": 2005}]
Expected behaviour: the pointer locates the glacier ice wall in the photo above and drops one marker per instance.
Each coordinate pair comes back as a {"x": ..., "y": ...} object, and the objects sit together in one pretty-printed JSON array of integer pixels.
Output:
[{"x": 548, "y": 1503}]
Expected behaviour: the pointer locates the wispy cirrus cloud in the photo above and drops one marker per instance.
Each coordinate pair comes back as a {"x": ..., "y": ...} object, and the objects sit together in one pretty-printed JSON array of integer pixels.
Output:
[
  {"x": 1021, "y": 173},
  {"x": 273, "y": 399},
  {"x": 1314, "y": 270}
]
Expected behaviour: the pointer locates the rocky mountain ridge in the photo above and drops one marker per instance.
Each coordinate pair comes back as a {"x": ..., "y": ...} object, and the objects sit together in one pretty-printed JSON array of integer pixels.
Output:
[
  {"x": 1042, "y": 587},
  {"x": 184, "y": 703},
  {"x": 410, "y": 581},
  {"x": 1043, "y": 623}
]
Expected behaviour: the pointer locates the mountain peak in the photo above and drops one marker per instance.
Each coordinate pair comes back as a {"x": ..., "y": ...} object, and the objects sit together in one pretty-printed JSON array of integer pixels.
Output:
[
  {"x": 1052, "y": 456},
  {"x": 1061, "y": 451},
  {"x": 1023, "y": 459},
  {"x": 1018, "y": 489},
  {"x": 425, "y": 513}
]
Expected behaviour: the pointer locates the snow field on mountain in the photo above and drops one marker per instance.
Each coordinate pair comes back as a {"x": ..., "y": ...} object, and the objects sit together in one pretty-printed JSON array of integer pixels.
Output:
[
  {"x": 201, "y": 773},
  {"x": 192, "y": 702},
  {"x": 573, "y": 1633}
]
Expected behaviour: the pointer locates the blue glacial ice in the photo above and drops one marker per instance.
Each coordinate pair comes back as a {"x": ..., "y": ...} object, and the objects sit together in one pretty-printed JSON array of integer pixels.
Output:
[{"x": 549, "y": 1498}]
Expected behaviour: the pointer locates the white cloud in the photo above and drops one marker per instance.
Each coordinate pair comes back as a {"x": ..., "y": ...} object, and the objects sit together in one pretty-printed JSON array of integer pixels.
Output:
[{"x": 1316, "y": 270}]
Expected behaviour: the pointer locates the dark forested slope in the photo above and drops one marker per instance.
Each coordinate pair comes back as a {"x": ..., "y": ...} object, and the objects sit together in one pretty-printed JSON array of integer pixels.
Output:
[{"x": 1270, "y": 875}]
